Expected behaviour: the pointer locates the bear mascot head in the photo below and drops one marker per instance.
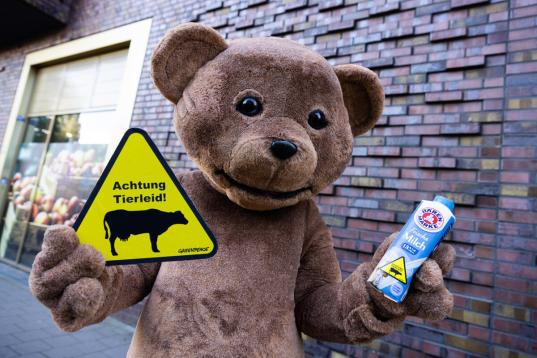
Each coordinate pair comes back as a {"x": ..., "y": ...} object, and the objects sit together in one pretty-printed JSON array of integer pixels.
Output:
[{"x": 268, "y": 121}]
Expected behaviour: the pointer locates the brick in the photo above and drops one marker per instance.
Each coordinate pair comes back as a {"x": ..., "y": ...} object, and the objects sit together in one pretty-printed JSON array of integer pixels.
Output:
[
  {"x": 369, "y": 141},
  {"x": 418, "y": 78},
  {"x": 282, "y": 30},
  {"x": 365, "y": 203},
  {"x": 396, "y": 205},
  {"x": 520, "y": 164},
  {"x": 334, "y": 220},
  {"x": 214, "y": 5},
  {"x": 246, "y": 23},
  {"x": 437, "y": 163},
  {"x": 379, "y": 215},
  {"x": 460, "y": 152},
  {"x": 355, "y": 15},
  {"x": 397, "y": 33},
  {"x": 295, "y": 5},
  {"x": 394, "y": 110},
  {"x": 515, "y": 190},
  {"x": 470, "y": 345},
  {"x": 518, "y": 217},
  {"x": 505, "y": 352},
  {"x": 463, "y": 3},
  {"x": 340, "y": 26},
  {"x": 429, "y": 67},
  {"x": 514, "y": 177},
  {"x": 462, "y": 198},
  {"x": 460, "y": 129},
  {"x": 418, "y": 174},
  {"x": 522, "y": 103},
  {"x": 330, "y": 5},
  {"x": 523, "y": 56},
  {"x": 384, "y": 151},
  {"x": 383, "y": 172},
  {"x": 432, "y": 9},
  {"x": 470, "y": 317},
  {"x": 366, "y": 182},
  {"x": 379, "y": 63},
  {"x": 395, "y": 90},
  {"x": 404, "y": 141},
  {"x": 465, "y": 62},
  {"x": 448, "y": 34},
  {"x": 384, "y": 9},
  {"x": 451, "y": 96},
  {"x": 518, "y": 313},
  {"x": 407, "y": 100},
  {"x": 423, "y": 129},
  {"x": 480, "y": 306},
  {"x": 477, "y": 188}
]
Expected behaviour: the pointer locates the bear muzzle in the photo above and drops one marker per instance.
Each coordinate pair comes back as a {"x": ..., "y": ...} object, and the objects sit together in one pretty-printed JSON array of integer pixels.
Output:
[{"x": 272, "y": 163}]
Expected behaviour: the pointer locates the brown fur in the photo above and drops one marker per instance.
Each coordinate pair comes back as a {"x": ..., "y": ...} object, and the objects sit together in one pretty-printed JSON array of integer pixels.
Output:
[{"x": 276, "y": 272}]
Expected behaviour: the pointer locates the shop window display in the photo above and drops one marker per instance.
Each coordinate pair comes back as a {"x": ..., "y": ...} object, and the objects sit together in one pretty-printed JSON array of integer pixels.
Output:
[{"x": 59, "y": 162}]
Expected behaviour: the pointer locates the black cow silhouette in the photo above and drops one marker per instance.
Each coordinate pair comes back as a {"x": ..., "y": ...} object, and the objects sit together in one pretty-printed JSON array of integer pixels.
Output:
[
  {"x": 397, "y": 273},
  {"x": 124, "y": 223}
]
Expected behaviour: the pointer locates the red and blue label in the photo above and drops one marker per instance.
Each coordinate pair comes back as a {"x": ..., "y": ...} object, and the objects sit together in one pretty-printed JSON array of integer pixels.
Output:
[{"x": 430, "y": 219}]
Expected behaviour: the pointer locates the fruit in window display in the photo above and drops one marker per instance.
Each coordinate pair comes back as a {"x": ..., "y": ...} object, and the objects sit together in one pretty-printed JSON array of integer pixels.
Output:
[
  {"x": 63, "y": 155},
  {"x": 97, "y": 169},
  {"x": 27, "y": 181},
  {"x": 71, "y": 220},
  {"x": 26, "y": 191},
  {"x": 57, "y": 204},
  {"x": 47, "y": 203},
  {"x": 78, "y": 158},
  {"x": 19, "y": 200},
  {"x": 16, "y": 177},
  {"x": 56, "y": 218},
  {"x": 27, "y": 205},
  {"x": 35, "y": 211},
  {"x": 78, "y": 163},
  {"x": 85, "y": 171},
  {"x": 42, "y": 218},
  {"x": 73, "y": 206},
  {"x": 89, "y": 155},
  {"x": 38, "y": 196},
  {"x": 62, "y": 208},
  {"x": 17, "y": 186},
  {"x": 61, "y": 168}
]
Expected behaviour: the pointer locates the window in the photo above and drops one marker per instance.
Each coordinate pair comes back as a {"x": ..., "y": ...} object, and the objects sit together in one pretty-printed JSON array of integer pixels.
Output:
[{"x": 75, "y": 113}]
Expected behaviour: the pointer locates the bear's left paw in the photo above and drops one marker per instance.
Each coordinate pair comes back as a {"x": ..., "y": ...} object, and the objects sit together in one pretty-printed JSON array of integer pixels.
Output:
[{"x": 361, "y": 325}]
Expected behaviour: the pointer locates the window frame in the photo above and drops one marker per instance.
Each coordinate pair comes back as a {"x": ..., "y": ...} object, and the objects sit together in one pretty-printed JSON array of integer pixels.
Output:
[{"x": 134, "y": 37}]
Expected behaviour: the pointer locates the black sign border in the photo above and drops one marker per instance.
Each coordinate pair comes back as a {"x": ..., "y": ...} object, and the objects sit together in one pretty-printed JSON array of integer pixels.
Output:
[{"x": 169, "y": 171}]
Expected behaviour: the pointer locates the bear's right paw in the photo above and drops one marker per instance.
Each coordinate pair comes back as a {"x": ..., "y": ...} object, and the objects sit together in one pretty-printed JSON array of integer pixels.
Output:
[{"x": 64, "y": 277}]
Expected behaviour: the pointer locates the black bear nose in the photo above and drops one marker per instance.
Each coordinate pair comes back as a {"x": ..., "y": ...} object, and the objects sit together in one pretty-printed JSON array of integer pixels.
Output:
[{"x": 283, "y": 149}]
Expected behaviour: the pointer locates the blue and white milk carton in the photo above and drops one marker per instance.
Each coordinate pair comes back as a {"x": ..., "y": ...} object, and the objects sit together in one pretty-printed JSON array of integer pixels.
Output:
[{"x": 429, "y": 224}]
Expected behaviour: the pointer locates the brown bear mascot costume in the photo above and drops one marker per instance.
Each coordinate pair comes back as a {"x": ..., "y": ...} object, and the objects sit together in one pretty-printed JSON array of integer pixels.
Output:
[{"x": 270, "y": 124}]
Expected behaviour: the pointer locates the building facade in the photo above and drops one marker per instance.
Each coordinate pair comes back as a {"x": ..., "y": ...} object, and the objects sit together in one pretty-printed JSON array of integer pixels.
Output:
[{"x": 460, "y": 79}]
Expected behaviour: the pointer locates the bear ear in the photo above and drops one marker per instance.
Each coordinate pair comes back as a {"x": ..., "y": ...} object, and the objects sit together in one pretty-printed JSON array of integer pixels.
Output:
[
  {"x": 180, "y": 54},
  {"x": 363, "y": 95}
]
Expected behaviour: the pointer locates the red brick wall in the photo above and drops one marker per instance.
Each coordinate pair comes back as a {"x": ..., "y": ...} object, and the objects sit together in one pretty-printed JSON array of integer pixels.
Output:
[{"x": 460, "y": 119}]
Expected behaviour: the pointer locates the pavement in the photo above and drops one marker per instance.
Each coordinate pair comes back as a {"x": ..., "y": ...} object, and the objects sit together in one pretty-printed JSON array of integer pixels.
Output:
[{"x": 27, "y": 329}]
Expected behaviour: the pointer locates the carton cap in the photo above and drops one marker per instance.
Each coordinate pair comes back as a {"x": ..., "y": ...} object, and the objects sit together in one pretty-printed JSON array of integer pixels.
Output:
[{"x": 448, "y": 203}]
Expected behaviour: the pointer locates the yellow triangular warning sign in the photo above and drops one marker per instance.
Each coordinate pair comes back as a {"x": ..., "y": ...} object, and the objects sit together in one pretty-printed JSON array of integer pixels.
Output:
[
  {"x": 138, "y": 211},
  {"x": 396, "y": 269}
]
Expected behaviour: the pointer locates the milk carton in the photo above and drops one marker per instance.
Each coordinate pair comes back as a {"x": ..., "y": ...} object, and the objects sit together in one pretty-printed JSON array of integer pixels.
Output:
[{"x": 428, "y": 225}]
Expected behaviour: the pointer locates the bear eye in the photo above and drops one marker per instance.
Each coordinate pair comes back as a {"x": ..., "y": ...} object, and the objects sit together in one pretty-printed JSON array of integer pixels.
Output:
[
  {"x": 317, "y": 120},
  {"x": 249, "y": 106}
]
